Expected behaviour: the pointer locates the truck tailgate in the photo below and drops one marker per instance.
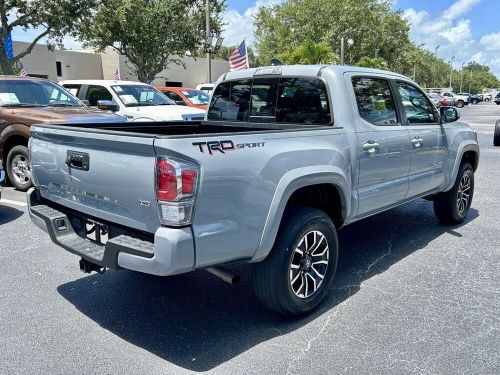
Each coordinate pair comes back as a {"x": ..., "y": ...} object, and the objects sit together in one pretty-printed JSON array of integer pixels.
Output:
[{"x": 108, "y": 177}]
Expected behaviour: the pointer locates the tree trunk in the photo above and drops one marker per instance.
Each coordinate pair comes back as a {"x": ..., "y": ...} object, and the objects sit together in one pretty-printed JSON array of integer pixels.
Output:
[{"x": 5, "y": 64}]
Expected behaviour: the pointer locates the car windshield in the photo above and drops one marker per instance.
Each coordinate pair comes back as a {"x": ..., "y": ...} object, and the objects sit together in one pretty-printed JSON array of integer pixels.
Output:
[
  {"x": 35, "y": 93},
  {"x": 140, "y": 95},
  {"x": 196, "y": 97}
]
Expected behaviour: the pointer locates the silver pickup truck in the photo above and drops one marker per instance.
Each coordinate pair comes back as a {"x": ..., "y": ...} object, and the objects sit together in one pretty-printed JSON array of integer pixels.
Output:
[{"x": 286, "y": 157}]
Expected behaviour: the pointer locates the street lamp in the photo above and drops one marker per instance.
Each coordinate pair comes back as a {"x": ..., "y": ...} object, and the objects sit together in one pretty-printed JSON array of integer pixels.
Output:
[
  {"x": 451, "y": 69},
  {"x": 462, "y": 76},
  {"x": 350, "y": 42},
  {"x": 433, "y": 67},
  {"x": 208, "y": 47}
]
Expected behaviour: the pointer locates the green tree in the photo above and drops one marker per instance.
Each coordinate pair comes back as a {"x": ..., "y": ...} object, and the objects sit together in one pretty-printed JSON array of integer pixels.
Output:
[
  {"x": 371, "y": 62},
  {"x": 52, "y": 19},
  {"x": 309, "y": 53},
  {"x": 375, "y": 30},
  {"x": 151, "y": 33}
]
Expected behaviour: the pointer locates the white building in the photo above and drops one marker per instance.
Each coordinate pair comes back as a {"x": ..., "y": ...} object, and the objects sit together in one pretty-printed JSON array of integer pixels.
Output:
[{"x": 61, "y": 65}]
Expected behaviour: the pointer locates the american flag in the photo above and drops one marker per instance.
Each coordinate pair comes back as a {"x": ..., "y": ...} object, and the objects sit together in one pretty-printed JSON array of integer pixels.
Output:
[
  {"x": 22, "y": 70},
  {"x": 239, "y": 58},
  {"x": 117, "y": 74}
]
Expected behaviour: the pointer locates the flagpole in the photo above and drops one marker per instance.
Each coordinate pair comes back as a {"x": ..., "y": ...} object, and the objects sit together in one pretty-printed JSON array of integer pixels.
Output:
[{"x": 246, "y": 53}]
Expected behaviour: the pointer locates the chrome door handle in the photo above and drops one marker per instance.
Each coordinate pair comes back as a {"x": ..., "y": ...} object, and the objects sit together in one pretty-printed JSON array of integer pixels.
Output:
[
  {"x": 417, "y": 142},
  {"x": 371, "y": 146}
]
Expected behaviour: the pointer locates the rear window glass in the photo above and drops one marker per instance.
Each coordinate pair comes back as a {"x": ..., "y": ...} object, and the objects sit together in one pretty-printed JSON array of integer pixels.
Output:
[{"x": 274, "y": 100}]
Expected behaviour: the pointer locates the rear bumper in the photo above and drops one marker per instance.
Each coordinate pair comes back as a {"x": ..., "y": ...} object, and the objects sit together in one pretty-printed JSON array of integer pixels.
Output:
[{"x": 171, "y": 251}]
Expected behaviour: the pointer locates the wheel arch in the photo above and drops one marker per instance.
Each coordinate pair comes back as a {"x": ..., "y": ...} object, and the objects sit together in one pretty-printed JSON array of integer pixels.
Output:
[
  {"x": 467, "y": 151},
  {"x": 11, "y": 136},
  {"x": 309, "y": 186}
]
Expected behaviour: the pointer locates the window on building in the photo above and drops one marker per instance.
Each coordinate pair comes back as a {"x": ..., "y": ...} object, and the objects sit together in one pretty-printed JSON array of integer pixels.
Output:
[
  {"x": 59, "y": 68},
  {"x": 375, "y": 101}
]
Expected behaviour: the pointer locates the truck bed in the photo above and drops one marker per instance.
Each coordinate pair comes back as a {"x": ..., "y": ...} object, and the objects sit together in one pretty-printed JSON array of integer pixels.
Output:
[{"x": 189, "y": 128}]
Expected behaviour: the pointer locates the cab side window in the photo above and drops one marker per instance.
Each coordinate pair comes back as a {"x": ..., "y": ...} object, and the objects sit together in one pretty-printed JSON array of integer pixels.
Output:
[
  {"x": 375, "y": 101},
  {"x": 418, "y": 109},
  {"x": 95, "y": 93}
]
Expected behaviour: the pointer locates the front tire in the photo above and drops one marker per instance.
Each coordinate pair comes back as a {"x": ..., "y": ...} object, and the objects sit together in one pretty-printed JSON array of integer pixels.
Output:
[
  {"x": 460, "y": 104},
  {"x": 299, "y": 270},
  {"x": 18, "y": 168},
  {"x": 496, "y": 135},
  {"x": 453, "y": 206}
]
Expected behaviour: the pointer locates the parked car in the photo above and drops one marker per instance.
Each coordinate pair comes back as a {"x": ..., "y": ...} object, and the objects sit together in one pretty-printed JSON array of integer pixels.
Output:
[
  {"x": 487, "y": 97},
  {"x": 2, "y": 178},
  {"x": 25, "y": 101},
  {"x": 186, "y": 96},
  {"x": 267, "y": 181},
  {"x": 436, "y": 99},
  {"x": 497, "y": 99},
  {"x": 459, "y": 100},
  {"x": 473, "y": 98},
  {"x": 206, "y": 87},
  {"x": 136, "y": 101}
]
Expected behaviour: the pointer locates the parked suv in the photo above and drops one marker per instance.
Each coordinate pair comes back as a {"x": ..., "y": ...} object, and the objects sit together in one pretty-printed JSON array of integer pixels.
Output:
[
  {"x": 135, "y": 100},
  {"x": 459, "y": 100},
  {"x": 25, "y": 101}
]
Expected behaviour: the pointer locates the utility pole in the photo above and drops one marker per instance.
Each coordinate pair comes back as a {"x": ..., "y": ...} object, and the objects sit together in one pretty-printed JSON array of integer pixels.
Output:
[
  {"x": 209, "y": 40},
  {"x": 451, "y": 68},
  {"x": 462, "y": 76},
  {"x": 342, "y": 51},
  {"x": 433, "y": 67},
  {"x": 470, "y": 82},
  {"x": 414, "y": 72}
]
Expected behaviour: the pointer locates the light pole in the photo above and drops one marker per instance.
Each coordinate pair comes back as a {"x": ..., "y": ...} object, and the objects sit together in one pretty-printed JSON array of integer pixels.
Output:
[
  {"x": 208, "y": 41},
  {"x": 434, "y": 68},
  {"x": 208, "y": 47},
  {"x": 462, "y": 76},
  {"x": 350, "y": 42},
  {"x": 470, "y": 82},
  {"x": 451, "y": 69}
]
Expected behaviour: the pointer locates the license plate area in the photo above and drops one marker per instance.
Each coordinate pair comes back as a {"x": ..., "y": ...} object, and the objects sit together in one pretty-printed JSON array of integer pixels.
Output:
[{"x": 96, "y": 232}]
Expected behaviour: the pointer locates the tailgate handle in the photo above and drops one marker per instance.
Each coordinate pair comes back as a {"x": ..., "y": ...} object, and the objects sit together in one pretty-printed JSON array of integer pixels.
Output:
[{"x": 77, "y": 160}]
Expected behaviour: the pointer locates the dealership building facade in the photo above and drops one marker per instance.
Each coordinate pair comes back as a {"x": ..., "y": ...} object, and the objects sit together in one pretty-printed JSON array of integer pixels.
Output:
[{"x": 59, "y": 65}]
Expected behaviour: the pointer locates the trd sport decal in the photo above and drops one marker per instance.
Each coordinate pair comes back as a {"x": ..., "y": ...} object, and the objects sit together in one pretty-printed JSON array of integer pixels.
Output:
[{"x": 224, "y": 146}]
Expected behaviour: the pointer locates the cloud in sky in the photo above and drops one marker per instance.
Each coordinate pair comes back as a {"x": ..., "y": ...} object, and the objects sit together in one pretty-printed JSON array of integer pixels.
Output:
[
  {"x": 452, "y": 30},
  {"x": 240, "y": 25}
]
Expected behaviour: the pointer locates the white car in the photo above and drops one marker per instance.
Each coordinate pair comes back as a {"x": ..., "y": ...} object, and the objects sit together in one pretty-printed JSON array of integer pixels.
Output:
[
  {"x": 135, "y": 100},
  {"x": 460, "y": 100},
  {"x": 206, "y": 87}
]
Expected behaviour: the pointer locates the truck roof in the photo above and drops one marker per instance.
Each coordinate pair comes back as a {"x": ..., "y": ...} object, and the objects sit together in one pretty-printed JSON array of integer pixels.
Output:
[
  {"x": 102, "y": 82},
  {"x": 303, "y": 70}
]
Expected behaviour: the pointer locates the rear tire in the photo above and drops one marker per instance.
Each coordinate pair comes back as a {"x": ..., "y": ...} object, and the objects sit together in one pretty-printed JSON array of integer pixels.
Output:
[
  {"x": 496, "y": 135},
  {"x": 475, "y": 101},
  {"x": 460, "y": 104},
  {"x": 453, "y": 206},
  {"x": 299, "y": 270},
  {"x": 18, "y": 168}
]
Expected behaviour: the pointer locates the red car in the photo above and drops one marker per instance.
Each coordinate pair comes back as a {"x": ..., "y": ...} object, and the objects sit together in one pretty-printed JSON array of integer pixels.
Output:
[{"x": 186, "y": 96}]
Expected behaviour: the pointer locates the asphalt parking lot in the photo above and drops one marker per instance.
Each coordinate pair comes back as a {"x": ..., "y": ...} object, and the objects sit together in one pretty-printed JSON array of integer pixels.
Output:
[{"x": 411, "y": 297}]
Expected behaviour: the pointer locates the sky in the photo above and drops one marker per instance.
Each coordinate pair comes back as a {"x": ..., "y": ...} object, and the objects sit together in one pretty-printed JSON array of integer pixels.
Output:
[{"x": 466, "y": 29}]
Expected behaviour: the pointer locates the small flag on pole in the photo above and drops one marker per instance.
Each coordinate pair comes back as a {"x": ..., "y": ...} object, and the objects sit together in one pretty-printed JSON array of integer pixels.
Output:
[
  {"x": 117, "y": 74},
  {"x": 239, "y": 58},
  {"x": 22, "y": 70}
]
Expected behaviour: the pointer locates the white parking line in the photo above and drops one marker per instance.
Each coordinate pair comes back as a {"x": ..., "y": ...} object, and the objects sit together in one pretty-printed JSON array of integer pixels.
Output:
[{"x": 15, "y": 203}]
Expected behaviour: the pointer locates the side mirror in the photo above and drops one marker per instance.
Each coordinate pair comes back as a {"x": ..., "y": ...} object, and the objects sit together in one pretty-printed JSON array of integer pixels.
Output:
[
  {"x": 107, "y": 105},
  {"x": 449, "y": 114}
]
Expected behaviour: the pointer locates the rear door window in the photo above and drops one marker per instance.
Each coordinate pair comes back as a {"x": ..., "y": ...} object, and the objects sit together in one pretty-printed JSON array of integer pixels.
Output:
[
  {"x": 74, "y": 89},
  {"x": 375, "y": 101}
]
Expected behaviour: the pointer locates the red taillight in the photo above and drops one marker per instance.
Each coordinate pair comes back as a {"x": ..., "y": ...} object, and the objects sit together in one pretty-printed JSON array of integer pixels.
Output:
[
  {"x": 175, "y": 180},
  {"x": 188, "y": 181},
  {"x": 166, "y": 180}
]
